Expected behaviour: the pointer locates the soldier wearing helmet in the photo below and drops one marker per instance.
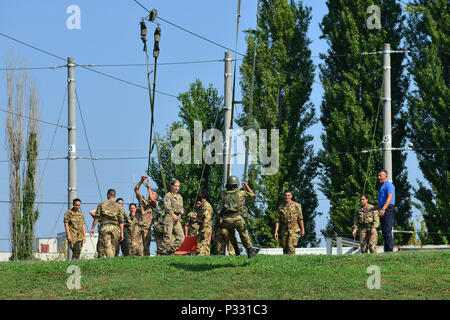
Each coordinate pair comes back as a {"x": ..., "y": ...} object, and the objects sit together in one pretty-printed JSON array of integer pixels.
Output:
[{"x": 233, "y": 214}]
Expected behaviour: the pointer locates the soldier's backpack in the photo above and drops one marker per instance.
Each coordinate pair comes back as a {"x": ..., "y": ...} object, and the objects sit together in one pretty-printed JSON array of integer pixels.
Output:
[{"x": 233, "y": 204}]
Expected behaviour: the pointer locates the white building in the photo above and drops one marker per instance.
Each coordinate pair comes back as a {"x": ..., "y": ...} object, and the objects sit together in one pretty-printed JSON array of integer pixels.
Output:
[{"x": 56, "y": 248}]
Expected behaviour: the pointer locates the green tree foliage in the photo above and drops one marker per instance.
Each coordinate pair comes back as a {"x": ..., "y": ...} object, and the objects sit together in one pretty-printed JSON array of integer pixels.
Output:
[
  {"x": 428, "y": 37},
  {"x": 30, "y": 215},
  {"x": 353, "y": 88},
  {"x": 198, "y": 104},
  {"x": 283, "y": 78},
  {"x": 22, "y": 99}
]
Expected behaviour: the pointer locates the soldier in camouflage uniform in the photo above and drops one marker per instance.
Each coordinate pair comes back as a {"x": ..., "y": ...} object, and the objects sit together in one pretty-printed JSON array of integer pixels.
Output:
[
  {"x": 290, "y": 216},
  {"x": 205, "y": 217},
  {"x": 74, "y": 224},
  {"x": 173, "y": 235},
  {"x": 191, "y": 224},
  {"x": 110, "y": 214},
  {"x": 368, "y": 224},
  {"x": 216, "y": 234},
  {"x": 125, "y": 244},
  {"x": 233, "y": 215},
  {"x": 144, "y": 215},
  {"x": 158, "y": 228},
  {"x": 131, "y": 222}
]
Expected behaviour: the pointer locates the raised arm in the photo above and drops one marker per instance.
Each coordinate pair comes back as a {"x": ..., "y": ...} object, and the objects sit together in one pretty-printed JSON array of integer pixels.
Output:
[
  {"x": 138, "y": 186},
  {"x": 245, "y": 185}
]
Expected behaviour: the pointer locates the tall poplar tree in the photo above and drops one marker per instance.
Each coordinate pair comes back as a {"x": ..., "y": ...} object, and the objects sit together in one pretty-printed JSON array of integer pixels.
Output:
[
  {"x": 429, "y": 40},
  {"x": 283, "y": 78},
  {"x": 22, "y": 94},
  {"x": 353, "y": 88}
]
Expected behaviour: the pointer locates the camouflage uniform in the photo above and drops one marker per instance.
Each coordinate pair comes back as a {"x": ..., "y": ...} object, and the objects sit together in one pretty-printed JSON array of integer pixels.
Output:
[
  {"x": 125, "y": 244},
  {"x": 100, "y": 245},
  {"x": 136, "y": 239},
  {"x": 289, "y": 216},
  {"x": 192, "y": 224},
  {"x": 233, "y": 214},
  {"x": 76, "y": 221},
  {"x": 110, "y": 214},
  {"x": 142, "y": 230},
  {"x": 366, "y": 222},
  {"x": 159, "y": 232},
  {"x": 173, "y": 235},
  {"x": 232, "y": 242},
  {"x": 205, "y": 216},
  {"x": 131, "y": 222}
]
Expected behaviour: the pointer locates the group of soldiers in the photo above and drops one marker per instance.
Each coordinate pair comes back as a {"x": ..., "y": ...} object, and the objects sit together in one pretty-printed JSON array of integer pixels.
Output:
[{"x": 132, "y": 231}]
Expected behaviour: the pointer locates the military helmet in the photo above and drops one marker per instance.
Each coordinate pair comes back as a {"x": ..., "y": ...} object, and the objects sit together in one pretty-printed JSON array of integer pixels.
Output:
[{"x": 232, "y": 180}]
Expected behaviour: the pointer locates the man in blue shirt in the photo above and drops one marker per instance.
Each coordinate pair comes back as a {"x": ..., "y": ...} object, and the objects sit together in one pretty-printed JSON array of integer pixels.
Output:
[{"x": 386, "y": 205}]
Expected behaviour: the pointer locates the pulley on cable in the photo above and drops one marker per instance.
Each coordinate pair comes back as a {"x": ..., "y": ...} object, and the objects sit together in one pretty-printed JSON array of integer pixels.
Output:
[{"x": 144, "y": 34}]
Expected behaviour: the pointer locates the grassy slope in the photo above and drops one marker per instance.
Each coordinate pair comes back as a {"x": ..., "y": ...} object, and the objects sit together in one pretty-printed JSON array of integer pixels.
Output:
[{"x": 404, "y": 275}]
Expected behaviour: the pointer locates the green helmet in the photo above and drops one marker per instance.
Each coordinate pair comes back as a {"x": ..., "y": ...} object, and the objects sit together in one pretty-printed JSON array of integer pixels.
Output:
[{"x": 232, "y": 180}]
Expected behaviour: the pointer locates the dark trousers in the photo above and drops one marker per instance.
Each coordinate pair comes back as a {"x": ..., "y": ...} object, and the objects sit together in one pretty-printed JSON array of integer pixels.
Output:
[
  {"x": 124, "y": 245},
  {"x": 387, "y": 222}
]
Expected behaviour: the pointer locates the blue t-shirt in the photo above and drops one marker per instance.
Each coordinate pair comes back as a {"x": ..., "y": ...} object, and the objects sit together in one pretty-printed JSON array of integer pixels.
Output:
[{"x": 385, "y": 189}]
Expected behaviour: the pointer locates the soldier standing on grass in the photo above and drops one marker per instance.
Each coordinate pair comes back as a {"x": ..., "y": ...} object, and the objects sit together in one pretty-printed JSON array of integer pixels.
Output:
[
  {"x": 74, "y": 224},
  {"x": 130, "y": 225},
  {"x": 232, "y": 245},
  {"x": 205, "y": 216},
  {"x": 144, "y": 216},
  {"x": 110, "y": 214},
  {"x": 173, "y": 235},
  {"x": 368, "y": 224},
  {"x": 125, "y": 244},
  {"x": 233, "y": 214},
  {"x": 158, "y": 228},
  {"x": 291, "y": 218}
]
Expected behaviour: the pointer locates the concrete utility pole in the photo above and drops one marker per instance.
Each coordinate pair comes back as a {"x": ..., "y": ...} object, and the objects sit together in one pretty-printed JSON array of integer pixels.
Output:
[
  {"x": 72, "y": 133},
  {"x": 227, "y": 122},
  {"x": 387, "y": 135}
]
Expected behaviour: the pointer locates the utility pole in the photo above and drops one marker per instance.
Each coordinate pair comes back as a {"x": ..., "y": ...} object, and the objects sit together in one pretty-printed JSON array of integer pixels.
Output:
[
  {"x": 72, "y": 133},
  {"x": 387, "y": 134},
  {"x": 227, "y": 122}
]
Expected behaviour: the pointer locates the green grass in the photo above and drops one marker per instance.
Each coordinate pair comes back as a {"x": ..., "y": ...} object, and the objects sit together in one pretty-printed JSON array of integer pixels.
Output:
[{"x": 404, "y": 275}]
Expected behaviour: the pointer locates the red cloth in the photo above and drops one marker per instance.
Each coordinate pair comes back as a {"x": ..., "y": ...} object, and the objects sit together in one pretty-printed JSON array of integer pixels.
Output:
[{"x": 188, "y": 246}]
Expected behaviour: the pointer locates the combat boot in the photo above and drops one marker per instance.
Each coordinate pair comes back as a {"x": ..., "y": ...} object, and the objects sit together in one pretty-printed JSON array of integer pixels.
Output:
[{"x": 252, "y": 252}]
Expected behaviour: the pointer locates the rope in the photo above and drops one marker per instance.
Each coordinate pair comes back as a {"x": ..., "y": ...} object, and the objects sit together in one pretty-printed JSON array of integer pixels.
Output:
[
  {"x": 53, "y": 139},
  {"x": 252, "y": 88},
  {"x": 151, "y": 112},
  {"x": 92, "y": 161},
  {"x": 235, "y": 64},
  {"x": 57, "y": 219},
  {"x": 89, "y": 146},
  {"x": 150, "y": 95},
  {"x": 34, "y": 119},
  {"x": 204, "y": 165},
  {"x": 373, "y": 139},
  {"x": 160, "y": 164}
]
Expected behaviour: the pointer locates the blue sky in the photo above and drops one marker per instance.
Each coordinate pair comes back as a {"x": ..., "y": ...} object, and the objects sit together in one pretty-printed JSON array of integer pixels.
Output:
[{"x": 116, "y": 114}]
